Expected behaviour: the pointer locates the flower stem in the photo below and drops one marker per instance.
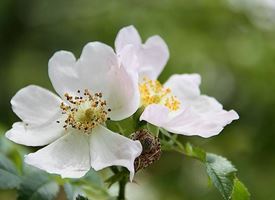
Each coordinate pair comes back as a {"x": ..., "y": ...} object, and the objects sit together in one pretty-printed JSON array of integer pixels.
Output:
[{"x": 122, "y": 187}]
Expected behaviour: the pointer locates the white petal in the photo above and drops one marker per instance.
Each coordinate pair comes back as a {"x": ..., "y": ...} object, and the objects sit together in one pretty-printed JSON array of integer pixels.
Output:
[
  {"x": 153, "y": 56},
  {"x": 62, "y": 72},
  {"x": 123, "y": 95},
  {"x": 155, "y": 114},
  {"x": 204, "y": 118},
  {"x": 211, "y": 109},
  {"x": 35, "y": 105},
  {"x": 127, "y": 35},
  {"x": 35, "y": 135},
  {"x": 128, "y": 58},
  {"x": 109, "y": 148},
  {"x": 119, "y": 88},
  {"x": 150, "y": 57},
  {"x": 184, "y": 86},
  {"x": 98, "y": 70},
  {"x": 96, "y": 59},
  {"x": 202, "y": 115},
  {"x": 68, "y": 156}
]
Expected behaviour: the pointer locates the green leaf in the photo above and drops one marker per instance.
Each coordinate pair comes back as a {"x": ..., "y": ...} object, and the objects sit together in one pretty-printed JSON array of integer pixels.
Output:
[
  {"x": 38, "y": 185},
  {"x": 93, "y": 178},
  {"x": 79, "y": 197},
  {"x": 71, "y": 191},
  {"x": 91, "y": 186},
  {"x": 169, "y": 142},
  {"x": 239, "y": 192},
  {"x": 195, "y": 152},
  {"x": 221, "y": 173},
  {"x": 95, "y": 192},
  {"x": 9, "y": 177},
  {"x": 116, "y": 177},
  {"x": 125, "y": 127},
  {"x": 154, "y": 130}
]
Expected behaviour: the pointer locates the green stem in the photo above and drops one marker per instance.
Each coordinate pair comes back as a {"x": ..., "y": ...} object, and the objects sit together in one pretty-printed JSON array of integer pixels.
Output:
[
  {"x": 122, "y": 187},
  {"x": 114, "y": 169}
]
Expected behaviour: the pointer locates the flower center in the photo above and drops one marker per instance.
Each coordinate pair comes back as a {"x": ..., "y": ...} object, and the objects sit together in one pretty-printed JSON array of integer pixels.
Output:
[
  {"x": 153, "y": 92},
  {"x": 85, "y": 111}
]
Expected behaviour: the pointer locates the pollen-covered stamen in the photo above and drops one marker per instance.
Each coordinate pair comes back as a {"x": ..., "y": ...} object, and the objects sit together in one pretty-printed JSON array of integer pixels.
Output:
[
  {"x": 85, "y": 111},
  {"x": 153, "y": 92}
]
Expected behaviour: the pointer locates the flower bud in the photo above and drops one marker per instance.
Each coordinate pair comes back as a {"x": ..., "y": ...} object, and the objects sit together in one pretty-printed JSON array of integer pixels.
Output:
[{"x": 151, "y": 149}]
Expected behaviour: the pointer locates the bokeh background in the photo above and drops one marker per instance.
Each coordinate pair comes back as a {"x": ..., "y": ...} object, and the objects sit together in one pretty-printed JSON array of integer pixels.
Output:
[{"x": 231, "y": 43}]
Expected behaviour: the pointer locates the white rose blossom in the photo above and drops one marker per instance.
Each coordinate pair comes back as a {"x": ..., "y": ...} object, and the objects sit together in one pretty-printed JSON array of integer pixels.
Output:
[
  {"x": 92, "y": 90},
  {"x": 177, "y": 106}
]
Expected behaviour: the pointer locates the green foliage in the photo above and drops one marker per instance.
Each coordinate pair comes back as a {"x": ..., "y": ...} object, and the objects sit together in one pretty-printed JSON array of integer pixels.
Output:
[
  {"x": 118, "y": 175},
  {"x": 124, "y": 127},
  {"x": 34, "y": 184},
  {"x": 70, "y": 191},
  {"x": 91, "y": 186},
  {"x": 195, "y": 152},
  {"x": 9, "y": 177},
  {"x": 239, "y": 192},
  {"x": 38, "y": 185},
  {"x": 129, "y": 125},
  {"x": 79, "y": 197},
  {"x": 221, "y": 173},
  {"x": 154, "y": 130}
]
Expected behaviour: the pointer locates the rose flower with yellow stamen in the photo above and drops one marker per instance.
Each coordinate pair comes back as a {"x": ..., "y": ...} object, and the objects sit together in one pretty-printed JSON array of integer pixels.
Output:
[{"x": 177, "y": 105}]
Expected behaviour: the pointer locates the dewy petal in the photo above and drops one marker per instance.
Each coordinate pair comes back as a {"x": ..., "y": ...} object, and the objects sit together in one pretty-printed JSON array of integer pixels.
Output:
[
  {"x": 127, "y": 35},
  {"x": 35, "y": 105},
  {"x": 184, "y": 86},
  {"x": 108, "y": 148},
  {"x": 67, "y": 156},
  {"x": 35, "y": 135}
]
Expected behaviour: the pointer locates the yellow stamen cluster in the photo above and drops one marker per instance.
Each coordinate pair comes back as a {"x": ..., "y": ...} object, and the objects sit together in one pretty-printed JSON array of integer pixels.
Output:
[
  {"x": 84, "y": 111},
  {"x": 153, "y": 92}
]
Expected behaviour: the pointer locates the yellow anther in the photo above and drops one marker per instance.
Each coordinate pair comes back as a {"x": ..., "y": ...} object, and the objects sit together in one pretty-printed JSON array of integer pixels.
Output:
[
  {"x": 153, "y": 92},
  {"x": 84, "y": 112}
]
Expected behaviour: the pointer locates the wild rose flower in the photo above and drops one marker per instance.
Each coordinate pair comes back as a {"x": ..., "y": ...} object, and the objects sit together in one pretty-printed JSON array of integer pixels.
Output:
[
  {"x": 92, "y": 90},
  {"x": 177, "y": 106}
]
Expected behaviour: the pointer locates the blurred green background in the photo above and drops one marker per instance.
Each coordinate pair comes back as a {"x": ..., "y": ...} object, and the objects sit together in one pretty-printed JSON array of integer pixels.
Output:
[{"x": 231, "y": 43}]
